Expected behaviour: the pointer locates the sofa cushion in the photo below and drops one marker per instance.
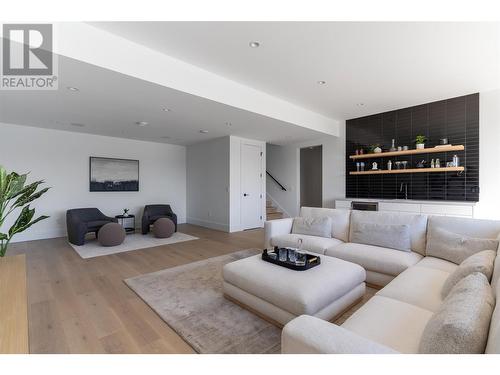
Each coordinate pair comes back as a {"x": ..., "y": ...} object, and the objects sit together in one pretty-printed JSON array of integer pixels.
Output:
[
  {"x": 493, "y": 345},
  {"x": 313, "y": 226},
  {"x": 417, "y": 223},
  {"x": 495, "y": 278},
  {"x": 438, "y": 264},
  {"x": 455, "y": 247},
  {"x": 374, "y": 258},
  {"x": 340, "y": 220},
  {"x": 480, "y": 262},
  {"x": 310, "y": 243},
  {"x": 419, "y": 286},
  {"x": 389, "y": 322},
  {"x": 460, "y": 325},
  {"x": 296, "y": 292},
  {"x": 392, "y": 236}
]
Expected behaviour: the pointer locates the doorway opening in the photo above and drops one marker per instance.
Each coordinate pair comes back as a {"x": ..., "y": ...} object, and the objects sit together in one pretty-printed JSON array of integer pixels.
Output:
[{"x": 311, "y": 176}]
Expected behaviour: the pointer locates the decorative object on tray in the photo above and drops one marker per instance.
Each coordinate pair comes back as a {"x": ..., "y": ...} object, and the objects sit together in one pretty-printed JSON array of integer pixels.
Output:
[
  {"x": 108, "y": 174},
  {"x": 420, "y": 141},
  {"x": 283, "y": 259}
]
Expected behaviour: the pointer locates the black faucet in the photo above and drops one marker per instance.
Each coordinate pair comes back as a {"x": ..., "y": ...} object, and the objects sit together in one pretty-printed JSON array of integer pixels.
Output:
[{"x": 405, "y": 184}]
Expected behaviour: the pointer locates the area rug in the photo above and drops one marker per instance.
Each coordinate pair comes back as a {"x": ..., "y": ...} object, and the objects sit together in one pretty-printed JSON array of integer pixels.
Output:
[
  {"x": 189, "y": 299},
  {"x": 134, "y": 241}
]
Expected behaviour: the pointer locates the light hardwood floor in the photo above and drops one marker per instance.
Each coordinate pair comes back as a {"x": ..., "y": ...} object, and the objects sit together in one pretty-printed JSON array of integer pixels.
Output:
[{"x": 80, "y": 305}]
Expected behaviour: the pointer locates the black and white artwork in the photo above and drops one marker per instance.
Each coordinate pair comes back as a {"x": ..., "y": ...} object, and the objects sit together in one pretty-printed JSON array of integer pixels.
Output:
[{"x": 108, "y": 174}]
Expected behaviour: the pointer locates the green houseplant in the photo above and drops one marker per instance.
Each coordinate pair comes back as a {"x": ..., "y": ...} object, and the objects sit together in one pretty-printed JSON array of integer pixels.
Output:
[
  {"x": 420, "y": 141},
  {"x": 15, "y": 194}
]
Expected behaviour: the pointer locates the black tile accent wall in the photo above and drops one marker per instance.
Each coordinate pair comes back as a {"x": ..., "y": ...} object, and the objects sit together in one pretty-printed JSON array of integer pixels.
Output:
[{"x": 456, "y": 119}]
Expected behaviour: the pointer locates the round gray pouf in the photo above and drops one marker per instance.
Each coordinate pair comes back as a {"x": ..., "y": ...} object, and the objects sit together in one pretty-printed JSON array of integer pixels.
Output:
[
  {"x": 111, "y": 234},
  {"x": 163, "y": 227}
]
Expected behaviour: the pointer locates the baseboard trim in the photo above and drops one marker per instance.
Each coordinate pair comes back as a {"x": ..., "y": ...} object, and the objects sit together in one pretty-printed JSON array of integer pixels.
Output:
[{"x": 208, "y": 224}]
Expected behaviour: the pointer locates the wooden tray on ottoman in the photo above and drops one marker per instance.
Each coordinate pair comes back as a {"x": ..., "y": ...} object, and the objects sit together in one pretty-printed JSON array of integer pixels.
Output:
[{"x": 311, "y": 261}]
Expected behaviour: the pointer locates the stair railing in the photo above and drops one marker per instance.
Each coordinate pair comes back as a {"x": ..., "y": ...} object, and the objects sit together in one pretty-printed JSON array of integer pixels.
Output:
[{"x": 275, "y": 180}]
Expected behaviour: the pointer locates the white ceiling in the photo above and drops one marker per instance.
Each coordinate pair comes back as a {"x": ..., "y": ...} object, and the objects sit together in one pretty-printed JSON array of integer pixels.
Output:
[
  {"x": 110, "y": 103},
  {"x": 382, "y": 65}
]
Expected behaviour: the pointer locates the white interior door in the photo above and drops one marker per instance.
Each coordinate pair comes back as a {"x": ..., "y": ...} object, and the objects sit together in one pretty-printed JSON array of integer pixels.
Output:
[{"x": 251, "y": 186}]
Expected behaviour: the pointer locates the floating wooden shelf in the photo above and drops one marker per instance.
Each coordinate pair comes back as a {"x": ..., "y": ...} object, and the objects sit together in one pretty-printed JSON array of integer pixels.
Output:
[
  {"x": 413, "y": 170},
  {"x": 429, "y": 150}
]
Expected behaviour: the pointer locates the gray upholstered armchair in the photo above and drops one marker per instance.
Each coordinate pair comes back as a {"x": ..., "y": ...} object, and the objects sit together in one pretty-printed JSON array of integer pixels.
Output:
[
  {"x": 153, "y": 212},
  {"x": 80, "y": 221}
]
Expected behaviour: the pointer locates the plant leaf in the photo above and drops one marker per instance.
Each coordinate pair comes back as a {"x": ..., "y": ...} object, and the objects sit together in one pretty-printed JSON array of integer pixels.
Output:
[
  {"x": 22, "y": 220},
  {"x": 16, "y": 185},
  {"x": 3, "y": 237},
  {"x": 29, "y": 197}
]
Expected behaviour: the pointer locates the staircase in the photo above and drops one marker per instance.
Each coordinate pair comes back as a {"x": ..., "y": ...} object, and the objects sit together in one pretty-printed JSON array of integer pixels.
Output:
[{"x": 271, "y": 212}]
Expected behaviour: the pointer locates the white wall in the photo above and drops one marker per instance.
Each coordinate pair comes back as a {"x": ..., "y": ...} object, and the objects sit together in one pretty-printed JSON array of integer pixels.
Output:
[
  {"x": 62, "y": 160},
  {"x": 208, "y": 184},
  {"x": 489, "y": 156},
  {"x": 283, "y": 162},
  {"x": 214, "y": 183}
]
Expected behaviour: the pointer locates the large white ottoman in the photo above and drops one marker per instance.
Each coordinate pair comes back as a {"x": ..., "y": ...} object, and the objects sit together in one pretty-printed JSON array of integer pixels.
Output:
[{"x": 280, "y": 294}]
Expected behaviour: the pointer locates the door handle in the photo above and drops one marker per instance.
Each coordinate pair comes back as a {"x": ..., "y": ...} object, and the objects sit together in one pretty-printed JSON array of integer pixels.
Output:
[{"x": 245, "y": 194}]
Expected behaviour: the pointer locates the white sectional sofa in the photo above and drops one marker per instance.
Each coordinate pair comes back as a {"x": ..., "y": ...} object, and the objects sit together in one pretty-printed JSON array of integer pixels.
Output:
[{"x": 394, "y": 320}]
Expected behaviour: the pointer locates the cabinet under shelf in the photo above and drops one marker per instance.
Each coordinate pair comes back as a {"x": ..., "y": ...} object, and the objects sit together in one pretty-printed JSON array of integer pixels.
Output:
[{"x": 413, "y": 170}]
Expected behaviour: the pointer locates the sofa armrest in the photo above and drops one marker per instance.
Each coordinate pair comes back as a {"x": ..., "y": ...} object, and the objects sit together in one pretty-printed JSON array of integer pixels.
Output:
[
  {"x": 275, "y": 228},
  {"x": 309, "y": 335}
]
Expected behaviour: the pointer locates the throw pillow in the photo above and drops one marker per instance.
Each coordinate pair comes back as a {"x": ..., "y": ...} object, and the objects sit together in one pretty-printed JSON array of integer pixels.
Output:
[
  {"x": 455, "y": 247},
  {"x": 480, "y": 262},
  {"x": 395, "y": 236},
  {"x": 460, "y": 325},
  {"x": 313, "y": 226}
]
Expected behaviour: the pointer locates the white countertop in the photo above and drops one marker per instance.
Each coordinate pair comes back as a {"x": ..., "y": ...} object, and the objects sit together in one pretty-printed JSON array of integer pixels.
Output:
[{"x": 409, "y": 201}]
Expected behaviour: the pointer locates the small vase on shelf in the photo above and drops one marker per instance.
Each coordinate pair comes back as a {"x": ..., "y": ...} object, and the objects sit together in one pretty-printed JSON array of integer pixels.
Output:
[{"x": 393, "y": 146}]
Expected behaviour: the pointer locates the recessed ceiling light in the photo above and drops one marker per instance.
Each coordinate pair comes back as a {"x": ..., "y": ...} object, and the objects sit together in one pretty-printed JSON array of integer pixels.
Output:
[
  {"x": 142, "y": 123},
  {"x": 254, "y": 44},
  {"x": 71, "y": 88},
  {"x": 360, "y": 104},
  {"x": 321, "y": 82},
  {"x": 77, "y": 124},
  {"x": 204, "y": 131},
  {"x": 167, "y": 109}
]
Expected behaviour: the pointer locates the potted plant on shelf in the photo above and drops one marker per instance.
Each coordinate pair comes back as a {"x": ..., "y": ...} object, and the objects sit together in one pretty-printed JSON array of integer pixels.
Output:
[
  {"x": 16, "y": 195},
  {"x": 374, "y": 149},
  {"x": 420, "y": 141}
]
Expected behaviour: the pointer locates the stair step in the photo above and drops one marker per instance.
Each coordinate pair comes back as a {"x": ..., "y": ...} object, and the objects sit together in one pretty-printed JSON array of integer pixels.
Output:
[{"x": 274, "y": 216}]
